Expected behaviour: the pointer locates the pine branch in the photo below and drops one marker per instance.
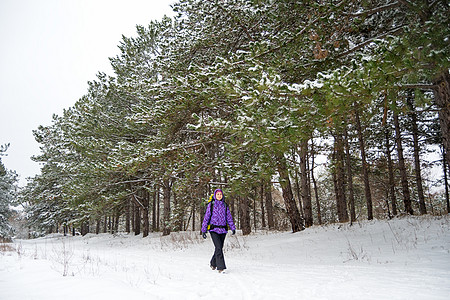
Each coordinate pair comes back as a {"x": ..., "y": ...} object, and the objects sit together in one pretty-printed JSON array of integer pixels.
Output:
[
  {"x": 406, "y": 2},
  {"x": 236, "y": 19},
  {"x": 282, "y": 44},
  {"x": 363, "y": 44},
  {"x": 433, "y": 4},
  {"x": 130, "y": 181},
  {"x": 288, "y": 41},
  {"x": 414, "y": 9},
  {"x": 422, "y": 86},
  {"x": 374, "y": 10}
]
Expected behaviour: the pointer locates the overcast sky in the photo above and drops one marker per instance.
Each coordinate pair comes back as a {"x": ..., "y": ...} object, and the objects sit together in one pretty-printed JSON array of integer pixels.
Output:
[{"x": 49, "y": 50}]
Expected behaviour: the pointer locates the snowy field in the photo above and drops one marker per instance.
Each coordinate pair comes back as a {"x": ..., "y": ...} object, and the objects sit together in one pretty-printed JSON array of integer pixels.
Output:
[{"x": 406, "y": 258}]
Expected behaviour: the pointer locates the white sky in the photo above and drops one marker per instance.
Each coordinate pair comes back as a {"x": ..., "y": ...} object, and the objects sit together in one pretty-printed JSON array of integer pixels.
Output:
[{"x": 49, "y": 50}]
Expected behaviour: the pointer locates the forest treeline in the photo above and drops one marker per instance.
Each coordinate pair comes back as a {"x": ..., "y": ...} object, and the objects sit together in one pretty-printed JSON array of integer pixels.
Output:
[{"x": 335, "y": 106}]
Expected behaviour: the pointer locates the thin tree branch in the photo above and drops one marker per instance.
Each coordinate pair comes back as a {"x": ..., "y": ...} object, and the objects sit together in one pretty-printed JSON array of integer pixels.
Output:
[{"x": 137, "y": 201}]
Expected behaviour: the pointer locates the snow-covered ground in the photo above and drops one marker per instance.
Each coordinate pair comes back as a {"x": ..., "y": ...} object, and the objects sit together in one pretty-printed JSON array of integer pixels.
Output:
[{"x": 406, "y": 258}]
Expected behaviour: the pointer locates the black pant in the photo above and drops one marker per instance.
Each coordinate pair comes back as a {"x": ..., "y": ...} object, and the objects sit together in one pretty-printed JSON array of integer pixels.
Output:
[{"x": 218, "y": 261}]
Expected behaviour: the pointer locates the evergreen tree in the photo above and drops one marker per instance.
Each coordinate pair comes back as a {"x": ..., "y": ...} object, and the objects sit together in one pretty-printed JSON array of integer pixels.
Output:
[
  {"x": 8, "y": 179},
  {"x": 224, "y": 92}
]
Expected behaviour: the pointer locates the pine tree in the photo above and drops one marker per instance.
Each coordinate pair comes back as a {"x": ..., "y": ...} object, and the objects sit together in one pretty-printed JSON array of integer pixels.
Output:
[{"x": 8, "y": 180}]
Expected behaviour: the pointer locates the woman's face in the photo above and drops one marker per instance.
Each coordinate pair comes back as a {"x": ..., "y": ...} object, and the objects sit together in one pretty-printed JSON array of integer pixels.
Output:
[{"x": 219, "y": 195}]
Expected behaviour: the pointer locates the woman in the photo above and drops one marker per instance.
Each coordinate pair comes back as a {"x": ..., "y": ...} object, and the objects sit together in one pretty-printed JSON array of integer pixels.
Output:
[{"x": 218, "y": 219}]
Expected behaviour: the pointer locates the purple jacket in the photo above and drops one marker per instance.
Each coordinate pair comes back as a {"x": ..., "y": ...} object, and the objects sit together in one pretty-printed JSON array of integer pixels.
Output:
[{"x": 219, "y": 217}]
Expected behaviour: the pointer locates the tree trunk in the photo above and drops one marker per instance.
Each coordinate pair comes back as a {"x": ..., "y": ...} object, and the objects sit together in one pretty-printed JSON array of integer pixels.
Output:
[
  {"x": 351, "y": 193},
  {"x": 146, "y": 204},
  {"x": 154, "y": 210},
  {"x": 308, "y": 185},
  {"x": 306, "y": 195},
  {"x": 263, "y": 215},
  {"x": 97, "y": 227},
  {"x": 387, "y": 205},
  {"x": 231, "y": 206},
  {"x": 288, "y": 197},
  {"x": 193, "y": 217},
  {"x": 442, "y": 99},
  {"x": 254, "y": 207},
  {"x": 402, "y": 167},
  {"x": 127, "y": 216},
  {"x": 84, "y": 228},
  {"x": 180, "y": 217},
  {"x": 444, "y": 165},
  {"x": 245, "y": 215},
  {"x": 341, "y": 203},
  {"x": 137, "y": 217},
  {"x": 202, "y": 208},
  {"x": 298, "y": 190},
  {"x": 319, "y": 215},
  {"x": 166, "y": 199},
  {"x": 132, "y": 209},
  {"x": 269, "y": 205},
  {"x": 334, "y": 177},
  {"x": 238, "y": 215},
  {"x": 390, "y": 174},
  {"x": 365, "y": 167},
  {"x": 105, "y": 228},
  {"x": 116, "y": 224},
  {"x": 158, "y": 206},
  {"x": 415, "y": 133}
]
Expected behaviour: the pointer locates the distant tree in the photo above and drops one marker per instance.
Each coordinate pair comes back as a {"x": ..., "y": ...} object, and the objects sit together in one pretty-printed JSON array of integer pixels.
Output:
[{"x": 8, "y": 179}]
